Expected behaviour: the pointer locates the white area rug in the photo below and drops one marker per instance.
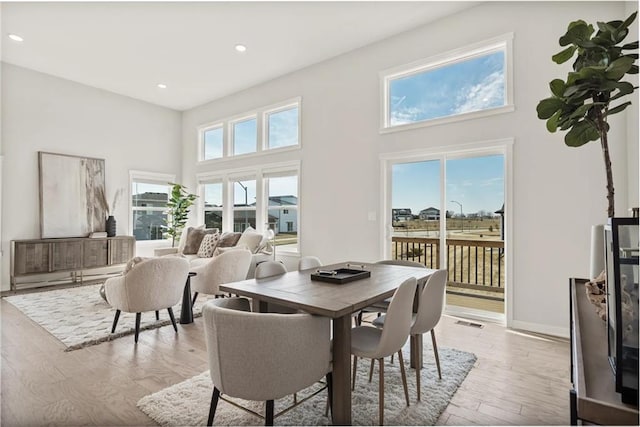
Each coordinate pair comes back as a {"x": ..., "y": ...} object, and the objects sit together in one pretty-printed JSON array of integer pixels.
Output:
[
  {"x": 187, "y": 403},
  {"x": 79, "y": 317}
]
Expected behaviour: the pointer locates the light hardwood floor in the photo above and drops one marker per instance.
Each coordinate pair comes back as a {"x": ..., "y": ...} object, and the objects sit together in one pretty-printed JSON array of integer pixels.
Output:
[{"x": 518, "y": 379}]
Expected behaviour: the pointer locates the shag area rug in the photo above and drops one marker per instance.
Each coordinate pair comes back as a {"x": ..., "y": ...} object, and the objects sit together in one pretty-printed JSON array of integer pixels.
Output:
[
  {"x": 187, "y": 403},
  {"x": 79, "y": 317}
]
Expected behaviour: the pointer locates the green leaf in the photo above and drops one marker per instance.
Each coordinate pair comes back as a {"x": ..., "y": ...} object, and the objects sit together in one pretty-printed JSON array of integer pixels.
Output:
[
  {"x": 633, "y": 70},
  {"x": 581, "y": 133},
  {"x": 624, "y": 88},
  {"x": 547, "y": 107},
  {"x": 628, "y": 21},
  {"x": 564, "y": 55},
  {"x": 552, "y": 123},
  {"x": 577, "y": 31},
  {"x": 619, "y": 108},
  {"x": 630, "y": 46},
  {"x": 618, "y": 68},
  {"x": 557, "y": 87},
  {"x": 581, "y": 111}
]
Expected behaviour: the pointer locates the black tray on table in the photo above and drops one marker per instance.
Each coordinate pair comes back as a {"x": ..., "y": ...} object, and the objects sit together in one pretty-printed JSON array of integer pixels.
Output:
[{"x": 340, "y": 275}]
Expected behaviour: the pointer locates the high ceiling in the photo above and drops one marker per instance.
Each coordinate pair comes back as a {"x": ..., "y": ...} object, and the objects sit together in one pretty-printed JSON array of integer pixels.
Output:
[{"x": 129, "y": 48}]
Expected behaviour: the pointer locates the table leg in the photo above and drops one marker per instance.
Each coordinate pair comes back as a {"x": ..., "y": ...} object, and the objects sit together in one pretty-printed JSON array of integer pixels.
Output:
[
  {"x": 186, "y": 312},
  {"x": 416, "y": 351},
  {"x": 341, "y": 408}
]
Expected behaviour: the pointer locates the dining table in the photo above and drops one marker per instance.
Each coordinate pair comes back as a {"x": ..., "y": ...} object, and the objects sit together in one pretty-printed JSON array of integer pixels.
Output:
[{"x": 338, "y": 301}]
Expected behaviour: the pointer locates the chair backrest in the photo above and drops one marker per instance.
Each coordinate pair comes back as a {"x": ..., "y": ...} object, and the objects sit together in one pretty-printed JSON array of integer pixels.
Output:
[
  {"x": 307, "y": 262},
  {"x": 230, "y": 266},
  {"x": 270, "y": 268},
  {"x": 397, "y": 322},
  {"x": 431, "y": 303},
  {"x": 154, "y": 284},
  {"x": 404, "y": 262},
  {"x": 264, "y": 356}
]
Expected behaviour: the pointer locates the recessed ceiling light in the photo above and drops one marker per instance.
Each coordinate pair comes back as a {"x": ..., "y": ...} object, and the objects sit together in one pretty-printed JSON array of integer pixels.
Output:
[
  {"x": 241, "y": 48},
  {"x": 162, "y": 85},
  {"x": 16, "y": 38}
]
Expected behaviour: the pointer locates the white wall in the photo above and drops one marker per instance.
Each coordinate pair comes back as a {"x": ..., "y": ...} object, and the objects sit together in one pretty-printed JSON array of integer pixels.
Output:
[
  {"x": 45, "y": 113},
  {"x": 559, "y": 192}
]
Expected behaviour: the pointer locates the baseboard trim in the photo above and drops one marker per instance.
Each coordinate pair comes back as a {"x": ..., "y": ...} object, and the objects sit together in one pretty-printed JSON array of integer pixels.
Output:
[{"x": 540, "y": 328}]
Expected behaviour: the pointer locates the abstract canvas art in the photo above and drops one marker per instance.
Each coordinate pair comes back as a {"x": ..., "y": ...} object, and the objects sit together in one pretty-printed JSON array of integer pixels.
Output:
[{"x": 68, "y": 188}]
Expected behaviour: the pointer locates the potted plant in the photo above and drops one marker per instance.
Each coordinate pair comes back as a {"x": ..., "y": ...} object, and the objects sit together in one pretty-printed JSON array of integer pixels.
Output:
[
  {"x": 178, "y": 210},
  {"x": 582, "y": 103}
]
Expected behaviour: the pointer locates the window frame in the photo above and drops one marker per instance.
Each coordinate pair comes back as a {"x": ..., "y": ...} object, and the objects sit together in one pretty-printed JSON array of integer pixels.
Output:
[
  {"x": 261, "y": 116},
  {"x": 149, "y": 178},
  {"x": 501, "y": 43}
]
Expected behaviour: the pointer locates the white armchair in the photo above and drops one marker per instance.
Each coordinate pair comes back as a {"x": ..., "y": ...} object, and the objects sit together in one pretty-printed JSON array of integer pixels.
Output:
[
  {"x": 150, "y": 285},
  {"x": 231, "y": 266}
]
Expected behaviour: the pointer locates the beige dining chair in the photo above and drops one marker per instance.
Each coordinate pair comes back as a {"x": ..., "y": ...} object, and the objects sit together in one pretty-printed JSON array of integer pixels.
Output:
[
  {"x": 307, "y": 262},
  {"x": 431, "y": 305},
  {"x": 149, "y": 285},
  {"x": 381, "y": 306},
  {"x": 375, "y": 343},
  {"x": 267, "y": 269},
  {"x": 281, "y": 353},
  {"x": 230, "y": 266}
]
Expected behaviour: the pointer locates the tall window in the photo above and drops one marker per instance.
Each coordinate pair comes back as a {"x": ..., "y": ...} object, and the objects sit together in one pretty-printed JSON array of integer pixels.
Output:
[
  {"x": 282, "y": 128},
  {"x": 244, "y": 204},
  {"x": 213, "y": 142},
  {"x": 452, "y": 85},
  {"x": 282, "y": 214},
  {"x": 148, "y": 206},
  {"x": 244, "y": 136},
  {"x": 213, "y": 205}
]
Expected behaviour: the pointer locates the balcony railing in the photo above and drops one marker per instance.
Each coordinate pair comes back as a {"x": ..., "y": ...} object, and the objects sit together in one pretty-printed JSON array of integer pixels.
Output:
[{"x": 472, "y": 264}]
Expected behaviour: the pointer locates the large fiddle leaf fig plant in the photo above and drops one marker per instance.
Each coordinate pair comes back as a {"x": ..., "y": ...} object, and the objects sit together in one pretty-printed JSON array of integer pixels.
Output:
[
  {"x": 582, "y": 103},
  {"x": 178, "y": 210}
]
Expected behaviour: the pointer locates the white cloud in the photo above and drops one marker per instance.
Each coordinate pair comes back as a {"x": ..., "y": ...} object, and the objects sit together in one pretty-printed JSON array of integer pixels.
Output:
[
  {"x": 487, "y": 94},
  {"x": 406, "y": 115}
]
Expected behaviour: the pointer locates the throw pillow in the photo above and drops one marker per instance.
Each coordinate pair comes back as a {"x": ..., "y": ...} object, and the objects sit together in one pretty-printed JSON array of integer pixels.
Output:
[
  {"x": 251, "y": 239},
  {"x": 208, "y": 245},
  {"x": 183, "y": 237},
  {"x": 228, "y": 239},
  {"x": 194, "y": 239}
]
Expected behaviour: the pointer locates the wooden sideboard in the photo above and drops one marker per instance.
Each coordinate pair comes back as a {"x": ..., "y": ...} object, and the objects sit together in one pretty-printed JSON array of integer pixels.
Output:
[
  {"x": 593, "y": 398},
  {"x": 44, "y": 256}
]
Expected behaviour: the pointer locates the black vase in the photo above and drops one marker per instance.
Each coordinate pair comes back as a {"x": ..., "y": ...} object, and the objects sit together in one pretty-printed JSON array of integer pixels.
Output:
[{"x": 111, "y": 226}]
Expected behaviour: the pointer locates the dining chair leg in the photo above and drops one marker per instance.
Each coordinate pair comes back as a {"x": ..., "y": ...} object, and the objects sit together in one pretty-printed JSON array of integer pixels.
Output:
[
  {"x": 373, "y": 361},
  {"x": 381, "y": 392},
  {"x": 115, "y": 321},
  {"x": 214, "y": 405},
  {"x": 193, "y": 301},
  {"x": 329, "y": 378},
  {"x": 404, "y": 376},
  {"x": 435, "y": 352},
  {"x": 355, "y": 366},
  {"x": 157, "y": 315},
  {"x": 138, "y": 316},
  {"x": 268, "y": 418},
  {"x": 173, "y": 318},
  {"x": 418, "y": 375}
]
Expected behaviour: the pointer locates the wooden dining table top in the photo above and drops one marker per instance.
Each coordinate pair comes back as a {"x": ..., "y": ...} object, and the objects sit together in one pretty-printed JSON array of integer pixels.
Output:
[{"x": 295, "y": 289}]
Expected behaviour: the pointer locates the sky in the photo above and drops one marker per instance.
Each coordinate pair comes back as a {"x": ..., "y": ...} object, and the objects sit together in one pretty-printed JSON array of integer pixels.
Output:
[{"x": 475, "y": 182}]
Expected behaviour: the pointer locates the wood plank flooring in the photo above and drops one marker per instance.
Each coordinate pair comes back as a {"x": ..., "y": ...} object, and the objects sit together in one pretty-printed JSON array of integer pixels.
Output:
[{"x": 519, "y": 379}]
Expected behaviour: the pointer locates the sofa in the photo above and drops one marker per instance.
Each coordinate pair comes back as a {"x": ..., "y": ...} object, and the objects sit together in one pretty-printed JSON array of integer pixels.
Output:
[{"x": 199, "y": 245}]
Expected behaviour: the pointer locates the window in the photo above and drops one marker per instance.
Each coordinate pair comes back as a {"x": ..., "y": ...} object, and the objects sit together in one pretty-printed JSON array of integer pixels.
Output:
[
  {"x": 274, "y": 127},
  {"x": 213, "y": 142},
  {"x": 149, "y": 206},
  {"x": 244, "y": 136},
  {"x": 282, "y": 128},
  {"x": 213, "y": 205},
  {"x": 282, "y": 211},
  {"x": 462, "y": 84},
  {"x": 244, "y": 204}
]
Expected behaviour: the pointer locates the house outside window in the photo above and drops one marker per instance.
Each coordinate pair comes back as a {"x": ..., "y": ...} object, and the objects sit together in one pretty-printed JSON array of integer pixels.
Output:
[
  {"x": 213, "y": 205},
  {"x": 149, "y": 209},
  {"x": 282, "y": 212},
  {"x": 463, "y": 84}
]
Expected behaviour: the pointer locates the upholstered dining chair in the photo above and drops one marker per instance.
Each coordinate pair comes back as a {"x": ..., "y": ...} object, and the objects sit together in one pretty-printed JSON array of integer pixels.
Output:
[
  {"x": 381, "y": 306},
  {"x": 150, "y": 285},
  {"x": 230, "y": 266},
  {"x": 281, "y": 353},
  {"x": 429, "y": 314},
  {"x": 307, "y": 262},
  {"x": 375, "y": 343},
  {"x": 268, "y": 269}
]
